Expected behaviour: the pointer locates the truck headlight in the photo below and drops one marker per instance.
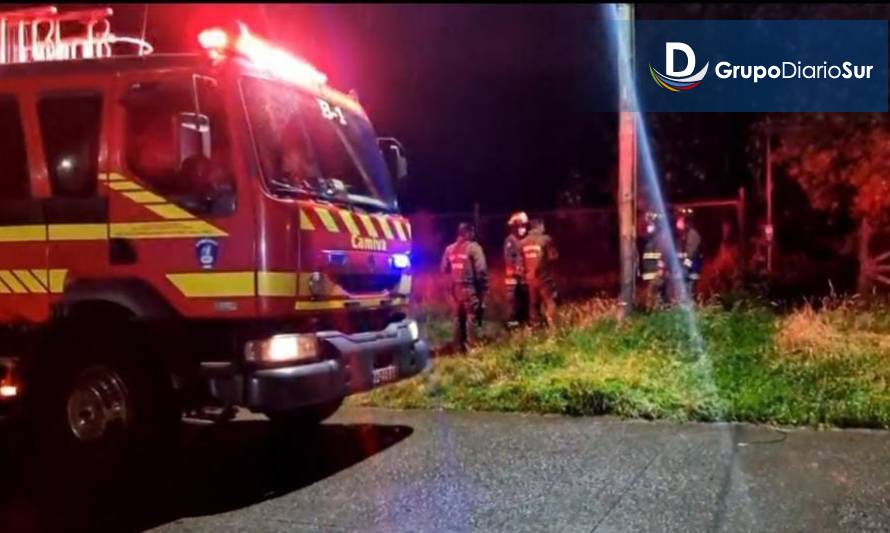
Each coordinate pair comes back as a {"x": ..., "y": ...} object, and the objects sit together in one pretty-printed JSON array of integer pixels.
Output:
[
  {"x": 282, "y": 348},
  {"x": 9, "y": 386},
  {"x": 414, "y": 330},
  {"x": 401, "y": 261}
]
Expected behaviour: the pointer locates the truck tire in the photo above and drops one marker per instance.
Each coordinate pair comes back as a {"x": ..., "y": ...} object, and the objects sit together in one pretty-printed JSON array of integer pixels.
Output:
[
  {"x": 100, "y": 410},
  {"x": 305, "y": 417}
]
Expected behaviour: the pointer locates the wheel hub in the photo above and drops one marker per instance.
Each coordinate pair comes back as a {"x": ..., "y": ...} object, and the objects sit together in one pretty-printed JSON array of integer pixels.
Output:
[{"x": 98, "y": 401}]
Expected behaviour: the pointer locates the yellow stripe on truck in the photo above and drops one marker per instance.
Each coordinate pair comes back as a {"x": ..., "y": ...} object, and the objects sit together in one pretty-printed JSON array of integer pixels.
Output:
[
  {"x": 12, "y": 282},
  {"x": 57, "y": 280},
  {"x": 171, "y": 229},
  {"x": 41, "y": 275},
  {"x": 144, "y": 197},
  {"x": 124, "y": 185},
  {"x": 276, "y": 283},
  {"x": 401, "y": 232},
  {"x": 327, "y": 220},
  {"x": 349, "y": 222},
  {"x": 369, "y": 226},
  {"x": 214, "y": 284},
  {"x": 170, "y": 211},
  {"x": 383, "y": 224},
  {"x": 29, "y": 281},
  {"x": 342, "y": 304},
  {"x": 78, "y": 232},
  {"x": 30, "y": 233},
  {"x": 165, "y": 230},
  {"x": 305, "y": 223}
]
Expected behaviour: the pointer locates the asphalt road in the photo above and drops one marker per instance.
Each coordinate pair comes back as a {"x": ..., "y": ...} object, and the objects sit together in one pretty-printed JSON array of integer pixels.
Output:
[{"x": 379, "y": 470}]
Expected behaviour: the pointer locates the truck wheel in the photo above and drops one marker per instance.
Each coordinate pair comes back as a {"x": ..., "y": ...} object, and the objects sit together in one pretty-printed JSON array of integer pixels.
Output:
[
  {"x": 305, "y": 416},
  {"x": 96, "y": 410}
]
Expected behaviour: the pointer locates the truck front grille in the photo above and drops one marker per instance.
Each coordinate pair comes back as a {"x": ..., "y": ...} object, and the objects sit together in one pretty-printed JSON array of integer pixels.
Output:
[{"x": 365, "y": 283}]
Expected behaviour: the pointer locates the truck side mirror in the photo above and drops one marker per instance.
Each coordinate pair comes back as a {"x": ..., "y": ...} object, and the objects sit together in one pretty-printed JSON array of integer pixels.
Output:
[{"x": 394, "y": 154}]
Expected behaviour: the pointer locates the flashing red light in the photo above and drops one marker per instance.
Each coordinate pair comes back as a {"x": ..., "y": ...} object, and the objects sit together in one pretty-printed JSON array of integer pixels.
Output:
[
  {"x": 277, "y": 61},
  {"x": 213, "y": 39},
  {"x": 263, "y": 55}
]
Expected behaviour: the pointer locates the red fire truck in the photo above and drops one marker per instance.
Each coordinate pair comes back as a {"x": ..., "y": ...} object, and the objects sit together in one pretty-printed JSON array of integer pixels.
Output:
[{"x": 189, "y": 233}]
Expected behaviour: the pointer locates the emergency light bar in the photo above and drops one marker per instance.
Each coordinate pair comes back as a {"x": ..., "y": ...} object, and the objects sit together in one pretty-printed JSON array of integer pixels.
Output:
[
  {"x": 35, "y": 35},
  {"x": 261, "y": 54}
]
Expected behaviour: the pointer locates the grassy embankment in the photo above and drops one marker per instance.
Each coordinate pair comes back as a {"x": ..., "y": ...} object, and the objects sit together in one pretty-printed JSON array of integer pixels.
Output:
[{"x": 805, "y": 367}]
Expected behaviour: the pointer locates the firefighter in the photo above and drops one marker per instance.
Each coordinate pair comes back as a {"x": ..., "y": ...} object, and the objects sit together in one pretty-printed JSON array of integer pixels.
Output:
[
  {"x": 652, "y": 266},
  {"x": 517, "y": 290},
  {"x": 538, "y": 255},
  {"x": 688, "y": 249},
  {"x": 464, "y": 260}
]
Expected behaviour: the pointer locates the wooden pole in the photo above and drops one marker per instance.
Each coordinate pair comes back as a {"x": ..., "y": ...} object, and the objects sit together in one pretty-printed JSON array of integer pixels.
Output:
[{"x": 627, "y": 162}]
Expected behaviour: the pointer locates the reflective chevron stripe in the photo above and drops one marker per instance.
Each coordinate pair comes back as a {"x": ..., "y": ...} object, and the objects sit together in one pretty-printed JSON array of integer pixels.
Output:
[
  {"x": 349, "y": 222},
  {"x": 337, "y": 220},
  {"x": 32, "y": 281},
  {"x": 327, "y": 220},
  {"x": 399, "y": 229},
  {"x": 387, "y": 232}
]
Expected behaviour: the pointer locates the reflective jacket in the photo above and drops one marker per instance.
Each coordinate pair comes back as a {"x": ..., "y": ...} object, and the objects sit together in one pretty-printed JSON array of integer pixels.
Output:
[
  {"x": 538, "y": 255},
  {"x": 465, "y": 261},
  {"x": 652, "y": 263},
  {"x": 512, "y": 260}
]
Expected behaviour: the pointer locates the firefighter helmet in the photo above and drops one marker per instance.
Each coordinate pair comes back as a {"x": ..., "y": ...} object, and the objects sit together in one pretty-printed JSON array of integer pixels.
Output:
[
  {"x": 652, "y": 222},
  {"x": 685, "y": 212},
  {"x": 466, "y": 230},
  {"x": 518, "y": 218},
  {"x": 683, "y": 217}
]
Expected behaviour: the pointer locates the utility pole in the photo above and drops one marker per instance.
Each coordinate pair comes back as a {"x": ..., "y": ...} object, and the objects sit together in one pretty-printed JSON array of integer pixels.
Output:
[{"x": 627, "y": 159}]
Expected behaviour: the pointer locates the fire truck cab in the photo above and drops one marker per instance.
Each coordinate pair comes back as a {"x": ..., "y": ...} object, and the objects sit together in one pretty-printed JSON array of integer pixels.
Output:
[{"x": 189, "y": 234}]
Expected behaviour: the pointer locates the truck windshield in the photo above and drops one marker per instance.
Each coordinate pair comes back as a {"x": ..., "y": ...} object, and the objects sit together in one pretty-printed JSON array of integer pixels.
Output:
[{"x": 308, "y": 145}]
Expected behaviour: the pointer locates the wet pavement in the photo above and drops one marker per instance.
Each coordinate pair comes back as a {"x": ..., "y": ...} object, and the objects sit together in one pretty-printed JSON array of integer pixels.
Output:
[{"x": 381, "y": 470}]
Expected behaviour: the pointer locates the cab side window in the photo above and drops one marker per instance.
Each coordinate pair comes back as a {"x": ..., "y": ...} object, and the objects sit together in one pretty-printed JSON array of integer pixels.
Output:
[
  {"x": 15, "y": 177},
  {"x": 70, "y": 126},
  {"x": 177, "y": 143}
]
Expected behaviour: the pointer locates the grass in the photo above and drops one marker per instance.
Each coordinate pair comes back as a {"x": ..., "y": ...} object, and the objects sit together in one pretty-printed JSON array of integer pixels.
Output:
[{"x": 806, "y": 367}]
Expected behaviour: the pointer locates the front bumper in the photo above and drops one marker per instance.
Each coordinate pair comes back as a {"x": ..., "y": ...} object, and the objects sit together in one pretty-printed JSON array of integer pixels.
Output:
[{"x": 351, "y": 364}]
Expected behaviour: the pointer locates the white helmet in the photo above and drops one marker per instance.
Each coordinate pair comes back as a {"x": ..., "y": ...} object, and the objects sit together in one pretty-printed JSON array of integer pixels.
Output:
[{"x": 518, "y": 217}]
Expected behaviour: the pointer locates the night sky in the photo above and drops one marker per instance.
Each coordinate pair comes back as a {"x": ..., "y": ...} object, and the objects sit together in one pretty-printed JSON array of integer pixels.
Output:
[{"x": 496, "y": 104}]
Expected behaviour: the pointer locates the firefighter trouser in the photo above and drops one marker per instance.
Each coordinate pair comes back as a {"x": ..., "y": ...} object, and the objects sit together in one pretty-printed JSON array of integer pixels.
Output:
[
  {"x": 467, "y": 314},
  {"x": 690, "y": 286},
  {"x": 655, "y": 290},
  {"x": 542, "y": 301},
  {"x": 517, "y": 302}
]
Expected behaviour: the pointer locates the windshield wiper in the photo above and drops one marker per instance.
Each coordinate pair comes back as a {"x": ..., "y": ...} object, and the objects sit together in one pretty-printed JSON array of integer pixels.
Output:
[{"x": 285, "y": 187}]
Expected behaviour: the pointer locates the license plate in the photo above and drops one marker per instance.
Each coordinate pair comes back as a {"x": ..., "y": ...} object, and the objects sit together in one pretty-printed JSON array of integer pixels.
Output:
[{"x": 385, "y": 375}]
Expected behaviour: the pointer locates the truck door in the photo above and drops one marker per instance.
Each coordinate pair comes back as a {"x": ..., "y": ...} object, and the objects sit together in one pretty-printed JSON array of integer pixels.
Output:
[
  {"x": 23, "y": 269},
  {"x": 176, "y": 214},
  {"x": 76, "y": 212}
]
